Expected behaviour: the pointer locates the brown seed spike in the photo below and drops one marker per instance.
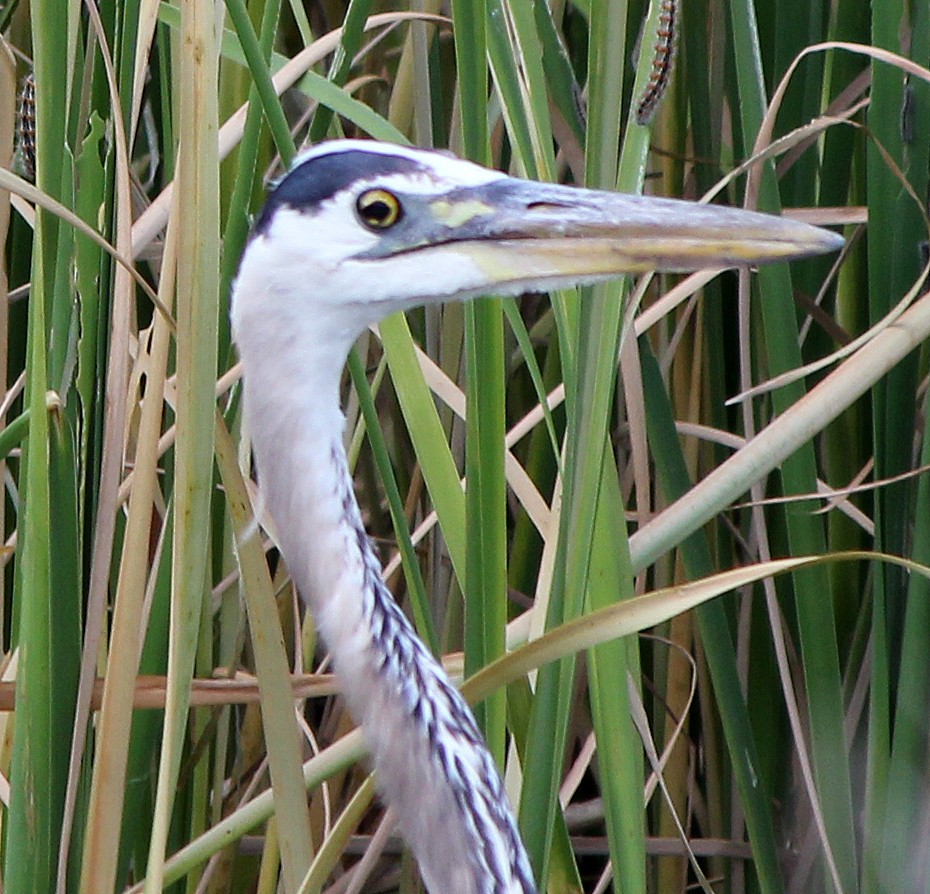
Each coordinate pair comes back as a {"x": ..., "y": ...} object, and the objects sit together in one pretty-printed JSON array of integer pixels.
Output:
[
  {"x": 26, "y": 128},
  {"x": 663, "y": 60}
]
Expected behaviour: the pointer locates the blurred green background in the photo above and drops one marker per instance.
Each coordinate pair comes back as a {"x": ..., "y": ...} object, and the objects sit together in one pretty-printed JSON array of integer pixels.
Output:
[{"x": 789, "y": 716}]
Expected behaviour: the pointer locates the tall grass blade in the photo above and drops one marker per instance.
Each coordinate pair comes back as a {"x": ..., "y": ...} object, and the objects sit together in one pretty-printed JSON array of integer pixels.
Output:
[{"x": 198, "y": 302}]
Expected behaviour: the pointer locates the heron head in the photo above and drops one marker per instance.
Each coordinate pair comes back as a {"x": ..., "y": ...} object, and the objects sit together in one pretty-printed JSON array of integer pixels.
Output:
[{"x": 358, "y": 229}]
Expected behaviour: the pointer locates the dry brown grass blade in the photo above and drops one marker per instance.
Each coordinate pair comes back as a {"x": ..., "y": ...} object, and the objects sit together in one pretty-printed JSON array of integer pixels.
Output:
[
  {"x": 111, "y": 467},
  {"x": 148, "y": 692}
]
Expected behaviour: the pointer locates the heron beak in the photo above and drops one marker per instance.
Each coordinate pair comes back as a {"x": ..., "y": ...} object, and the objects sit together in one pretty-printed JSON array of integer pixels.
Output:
[{"x": 518, "y": 230}]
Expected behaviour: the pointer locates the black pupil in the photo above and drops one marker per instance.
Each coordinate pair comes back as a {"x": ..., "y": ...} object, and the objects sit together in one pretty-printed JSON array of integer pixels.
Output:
[{"x": 379, "y": 211}]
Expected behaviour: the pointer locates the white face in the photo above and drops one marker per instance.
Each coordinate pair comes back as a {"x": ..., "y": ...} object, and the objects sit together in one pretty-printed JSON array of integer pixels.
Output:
[{"x": 310, "y": 265}]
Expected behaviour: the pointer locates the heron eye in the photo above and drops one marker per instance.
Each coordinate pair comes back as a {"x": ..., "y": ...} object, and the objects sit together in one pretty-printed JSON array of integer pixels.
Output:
[{"x": 379, "y": 209}]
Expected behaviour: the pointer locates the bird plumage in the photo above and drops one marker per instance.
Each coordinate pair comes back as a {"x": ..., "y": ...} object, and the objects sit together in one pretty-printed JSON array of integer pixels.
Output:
[
  {"x": 432, "y": 765},
  {"x": 355, "y": 231}
]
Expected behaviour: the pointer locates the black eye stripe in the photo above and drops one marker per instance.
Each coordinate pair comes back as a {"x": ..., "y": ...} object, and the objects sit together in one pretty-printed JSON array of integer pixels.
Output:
[{"x": 315, "y": 181}]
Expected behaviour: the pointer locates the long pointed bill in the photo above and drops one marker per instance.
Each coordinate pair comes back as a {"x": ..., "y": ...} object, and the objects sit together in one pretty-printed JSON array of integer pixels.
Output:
[{"x": 518, "y": 230}]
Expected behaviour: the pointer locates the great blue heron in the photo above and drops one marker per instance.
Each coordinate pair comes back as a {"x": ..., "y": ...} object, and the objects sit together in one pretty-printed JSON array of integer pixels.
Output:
[{"x": 358, "y": 230}]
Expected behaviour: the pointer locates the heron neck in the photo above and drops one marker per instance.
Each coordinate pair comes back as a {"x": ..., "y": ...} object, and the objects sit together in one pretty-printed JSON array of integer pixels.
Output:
[{"x": 432, "y": 765}]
